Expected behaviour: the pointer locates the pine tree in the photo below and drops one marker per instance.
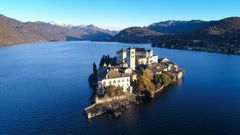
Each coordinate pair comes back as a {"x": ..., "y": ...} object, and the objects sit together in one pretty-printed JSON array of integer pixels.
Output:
[{"x": 94, "y": 69}]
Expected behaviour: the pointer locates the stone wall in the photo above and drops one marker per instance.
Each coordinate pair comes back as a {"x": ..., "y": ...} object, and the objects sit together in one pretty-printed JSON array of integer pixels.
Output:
[{"x": 110, "y": 99}]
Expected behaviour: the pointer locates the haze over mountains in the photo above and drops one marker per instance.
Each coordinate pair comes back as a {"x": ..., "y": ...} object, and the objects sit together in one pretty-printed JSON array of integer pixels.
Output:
[{"x": 13, "y": 31}]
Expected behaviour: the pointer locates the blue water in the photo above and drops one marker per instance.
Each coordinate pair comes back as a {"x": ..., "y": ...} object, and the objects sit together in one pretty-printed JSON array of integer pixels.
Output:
[{"x": 44, "y": 89}]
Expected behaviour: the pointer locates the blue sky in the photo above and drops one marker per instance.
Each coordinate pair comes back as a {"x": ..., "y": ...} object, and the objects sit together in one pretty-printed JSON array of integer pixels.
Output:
[{"x": 118, "y": 14}]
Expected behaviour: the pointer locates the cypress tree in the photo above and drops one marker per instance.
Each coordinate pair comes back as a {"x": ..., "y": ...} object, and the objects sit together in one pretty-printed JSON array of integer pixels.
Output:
[{"x": 94, "y": 69}]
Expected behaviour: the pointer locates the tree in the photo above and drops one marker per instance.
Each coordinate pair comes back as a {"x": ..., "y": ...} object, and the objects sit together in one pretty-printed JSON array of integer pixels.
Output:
[
  {"x": 107, "y": 60},
  {"x": 119, "y": 91},
  {"x": 142, "y": 71},
  {"x": 94, "y": 69},
  {"x": 157, "y": 80},
  {"x": 144, "y": 81},
  {"x": 148, "y": 74},
  {"x": 166, "y": 80},
  {"x": 140, "y": 83},
  {"x": 102, "y": 61},
  {"x": 111, "y": 90}
]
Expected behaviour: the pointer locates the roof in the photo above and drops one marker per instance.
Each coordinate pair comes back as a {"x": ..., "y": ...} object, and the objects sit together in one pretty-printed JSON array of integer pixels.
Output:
[
  {"x": 142, "y": 50},
  {"x": 110, "y": 74},
  {"x": 114, "y": 67},
  {"x": 164, "y": 58},
  {"x": 155, "y": 68},
  {"x": 116, "y": 74},
  {"x": 137, "y": 49},
  {"x": 122, "y": 50}
]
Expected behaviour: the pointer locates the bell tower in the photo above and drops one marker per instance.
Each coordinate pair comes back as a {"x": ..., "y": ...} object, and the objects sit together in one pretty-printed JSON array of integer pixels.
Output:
[{"x": 131, "y": 54}]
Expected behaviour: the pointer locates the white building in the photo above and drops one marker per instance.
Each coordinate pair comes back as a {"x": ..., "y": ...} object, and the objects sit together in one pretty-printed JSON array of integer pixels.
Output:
[
  {"x": 148, "y": 60},
  {"x": 130, "y": 55},
  {"x": 143, "y": 52},
  {"x": 114, "y": 76},
  {"x": 121, "y": 56}
]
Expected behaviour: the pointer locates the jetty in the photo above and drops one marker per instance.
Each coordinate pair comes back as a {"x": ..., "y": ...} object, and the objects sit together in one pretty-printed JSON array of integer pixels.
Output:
[{"x": 113, "y": 107}]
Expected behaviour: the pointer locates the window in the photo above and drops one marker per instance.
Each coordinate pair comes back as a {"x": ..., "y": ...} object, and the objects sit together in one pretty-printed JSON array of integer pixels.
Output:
[
  {"x": 122, "y": 80},
  {"x": 114, "y": 81},
  {"x": 118, "y": 81}
]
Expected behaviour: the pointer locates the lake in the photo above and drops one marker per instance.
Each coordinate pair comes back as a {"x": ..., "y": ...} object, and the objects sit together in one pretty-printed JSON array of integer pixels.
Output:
[{"x": 44, "y": 89}]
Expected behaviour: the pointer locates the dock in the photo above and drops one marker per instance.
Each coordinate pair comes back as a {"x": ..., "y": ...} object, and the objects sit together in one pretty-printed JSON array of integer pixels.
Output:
[{"x": 112, "y": 107}]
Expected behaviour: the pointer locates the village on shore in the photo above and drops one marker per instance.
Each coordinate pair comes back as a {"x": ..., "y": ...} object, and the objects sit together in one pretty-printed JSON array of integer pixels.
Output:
[{"x": 134, "y": 73}]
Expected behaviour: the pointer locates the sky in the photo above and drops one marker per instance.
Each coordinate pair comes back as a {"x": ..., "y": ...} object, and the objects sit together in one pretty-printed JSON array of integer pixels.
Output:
[{"x": 118, "y": 14}]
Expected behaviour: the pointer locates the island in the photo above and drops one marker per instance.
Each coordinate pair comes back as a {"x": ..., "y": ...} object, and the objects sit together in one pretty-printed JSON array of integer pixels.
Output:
[{"x": 133, "y": 75}]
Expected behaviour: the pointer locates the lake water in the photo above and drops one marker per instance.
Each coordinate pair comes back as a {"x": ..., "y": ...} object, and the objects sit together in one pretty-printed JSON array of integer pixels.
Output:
[{"x": 44, "y": 89}]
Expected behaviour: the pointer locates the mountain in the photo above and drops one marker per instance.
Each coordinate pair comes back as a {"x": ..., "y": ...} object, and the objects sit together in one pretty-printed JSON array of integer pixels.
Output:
[
  {"x": 13, "y": 31},
  {"x": 221, "y": 36},
  {"x": 224, "y": 33},
  {"x": 187, "y": 30},
  {"x": 179, "y": 27},
  {"x": 93, "y": 32},
  {"x": 222, "y": 26},
  {"x": 159, "y": 31},
  {"x": 136, "y": 35}
]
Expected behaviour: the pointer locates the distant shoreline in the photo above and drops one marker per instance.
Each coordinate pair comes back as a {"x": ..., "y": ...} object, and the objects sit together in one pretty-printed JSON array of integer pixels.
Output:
[
  {"x": 186, "y": 49},
  {"x": 199, "y": 50}
]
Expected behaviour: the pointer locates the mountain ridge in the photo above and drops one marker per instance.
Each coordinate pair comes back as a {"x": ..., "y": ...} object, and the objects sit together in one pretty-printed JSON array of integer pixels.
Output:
[
  {"x": 184, "y": 29},
  {"x": 13, "y": 31},
  {"x": 222, "y": 36}
]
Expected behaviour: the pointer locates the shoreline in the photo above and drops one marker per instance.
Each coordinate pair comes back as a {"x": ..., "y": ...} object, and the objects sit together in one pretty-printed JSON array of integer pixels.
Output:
[
  {"x": 196, "y": 50},
  {"x": 131, "y": 43},
  {"x": 123, "y": 104}
]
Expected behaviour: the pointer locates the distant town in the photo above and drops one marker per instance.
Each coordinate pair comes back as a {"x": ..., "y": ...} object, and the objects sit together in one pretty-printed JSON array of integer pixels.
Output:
[{"x": 132, "y": 75}]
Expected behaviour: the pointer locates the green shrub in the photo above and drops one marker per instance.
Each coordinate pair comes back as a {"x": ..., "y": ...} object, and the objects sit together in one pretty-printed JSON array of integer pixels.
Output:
[{"x": 112, "y": 91}]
